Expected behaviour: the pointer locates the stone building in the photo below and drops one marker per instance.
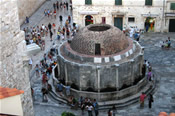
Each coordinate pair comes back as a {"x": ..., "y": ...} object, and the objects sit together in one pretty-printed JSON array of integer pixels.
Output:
[
  {"x": 14, "y": 72},
  {"x": 100, "y": 62},
  {"x": 27, "y": 8},
  {"x": 126, "y": 13}
]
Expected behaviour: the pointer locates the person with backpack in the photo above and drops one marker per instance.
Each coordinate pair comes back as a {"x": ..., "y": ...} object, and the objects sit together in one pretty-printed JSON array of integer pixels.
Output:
[{"x": 95, "y": 105}]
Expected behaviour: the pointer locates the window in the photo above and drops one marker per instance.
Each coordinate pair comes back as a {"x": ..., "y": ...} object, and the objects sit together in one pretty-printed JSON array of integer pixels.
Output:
[
  {"x": 103, "y": 20},
  {"x": 172, "y": 6},
  {"x": 131, "y": 19},
  {"x": 118, "y": 2},
  {"x": 88, "y": 2},
  {"x": 97, "y": 49},
  {"x": 148, "y": 2}
]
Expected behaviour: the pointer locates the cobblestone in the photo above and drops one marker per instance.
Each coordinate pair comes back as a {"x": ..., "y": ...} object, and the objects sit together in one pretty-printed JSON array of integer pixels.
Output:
[{"x": 162, "y": 61}]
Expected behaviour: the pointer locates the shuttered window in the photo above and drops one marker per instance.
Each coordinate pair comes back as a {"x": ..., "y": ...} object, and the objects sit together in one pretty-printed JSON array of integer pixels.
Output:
[
  {"x": 172, "y": 6},
  {"x": 88, "y": 2},
  {"x": 148, "y": 2},
  {"x": 118, "y": 2}
]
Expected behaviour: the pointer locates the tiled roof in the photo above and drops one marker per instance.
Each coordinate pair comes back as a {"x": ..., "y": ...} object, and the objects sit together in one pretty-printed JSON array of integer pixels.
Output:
[{"x": 8, "y": 92}]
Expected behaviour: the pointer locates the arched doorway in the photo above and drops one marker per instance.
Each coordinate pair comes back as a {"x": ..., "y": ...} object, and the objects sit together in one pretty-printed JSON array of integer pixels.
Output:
[
  {"x": 88, "y": 20},
  {"x": 149, "y": 24}
]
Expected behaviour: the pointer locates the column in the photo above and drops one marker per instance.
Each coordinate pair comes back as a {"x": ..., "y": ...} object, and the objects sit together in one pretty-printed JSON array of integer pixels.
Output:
[
  {"x": 98, "y": 78},
  {"x": 98, "y": 81},
  {"x": 58, "y": 65},
  {"x": 141, "y": 64},
  {"x": 66, "y": 78},
  {"x": 132, "y": 71},
  {"x": 117, "y": 78}
]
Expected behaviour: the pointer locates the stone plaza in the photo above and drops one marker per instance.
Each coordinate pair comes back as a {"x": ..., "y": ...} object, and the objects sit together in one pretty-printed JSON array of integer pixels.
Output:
[{"x": 15, "y": 71}]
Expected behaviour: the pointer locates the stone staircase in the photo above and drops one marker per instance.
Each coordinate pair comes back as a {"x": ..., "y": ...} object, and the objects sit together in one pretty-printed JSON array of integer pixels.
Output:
[{"x": 119, "y": 104}]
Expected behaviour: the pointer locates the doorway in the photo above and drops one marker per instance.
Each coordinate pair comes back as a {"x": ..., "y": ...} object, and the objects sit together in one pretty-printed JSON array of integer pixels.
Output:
[
  {"x": 88, "y": 20},
  {"x": 97, "y": 49},
  {"x": 149, "y": 24},
  {"x": 118, "y": 22},
  {"x": 172, "y": 25}
]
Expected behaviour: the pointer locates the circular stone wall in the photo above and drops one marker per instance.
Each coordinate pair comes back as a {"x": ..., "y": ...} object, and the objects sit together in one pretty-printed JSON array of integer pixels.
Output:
[
  {"x": 118, "y": 68},
  {"x": 110, "y": 39}
]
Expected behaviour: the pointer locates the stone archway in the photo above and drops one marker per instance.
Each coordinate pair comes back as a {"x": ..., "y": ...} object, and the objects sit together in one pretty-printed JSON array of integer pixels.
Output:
[{"x": 88, "y": 20}]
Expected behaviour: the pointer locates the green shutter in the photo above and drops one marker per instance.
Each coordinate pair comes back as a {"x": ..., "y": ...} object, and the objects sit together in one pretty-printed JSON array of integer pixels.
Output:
[
  {"x": 148, "y": 2},
  {"x": 172, "y": 6},
  {"x": 118, "y": 2},
  {"x": 88, "y": 2}
]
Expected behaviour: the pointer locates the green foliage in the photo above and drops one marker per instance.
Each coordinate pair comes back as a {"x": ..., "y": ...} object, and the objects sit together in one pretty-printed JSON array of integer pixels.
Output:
[{"x": 67, "y": 114}]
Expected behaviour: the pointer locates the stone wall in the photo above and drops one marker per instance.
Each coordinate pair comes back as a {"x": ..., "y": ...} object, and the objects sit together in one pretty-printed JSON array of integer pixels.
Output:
[
  {"x": 14, "y": 71},
  {"x": 27, "y": 8},
  {"x": 108, "y": 9}
]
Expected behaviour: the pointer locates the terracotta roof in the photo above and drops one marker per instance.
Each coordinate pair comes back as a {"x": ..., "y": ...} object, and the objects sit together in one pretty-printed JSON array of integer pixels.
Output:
[{"x": 8, "y": 92}]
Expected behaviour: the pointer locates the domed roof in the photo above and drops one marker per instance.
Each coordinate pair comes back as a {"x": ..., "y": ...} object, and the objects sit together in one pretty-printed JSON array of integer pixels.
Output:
[{"x": 99, "y": 39}]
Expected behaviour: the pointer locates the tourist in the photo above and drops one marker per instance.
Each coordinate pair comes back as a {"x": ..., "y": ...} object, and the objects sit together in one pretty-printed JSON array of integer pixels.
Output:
[
  {"x": 89, "y": 108},
  {"x": 169, "y": 42},
  {"x": 95, "y": 105},
  {"x": 149, "y": 75},
  {"x": 46, "y": 30},
  {"x": 60, "y": 88},
  {"x": 67, "y": 5},
  {"x": 44, "y": 92},
  {"x": 54, "y": 27},
  {"x": 51, "y": 34},
  {"x": 27, "y": 19},
  {"x": 58, "y": 35},
  {"x": 54, "y": 6},
  {"x": 44, "y": 79},
  {"x": 82, "y": 108},
  {"x": 142, "y": 98},
  {"x": 150, "y": 100},
  {"x": 57, "y": 5},
  {"x": 55, "y": 13},
  {"x": 48, "y": 12},
  {"x": 69, "y": 18},
  {"x": 67, "y": 90},
  {"x": 30, "y": 63},
  {"x": 37, "y": 70},
  {"x": 61, "y": 18},
  {"x": 110, "y": 112},
  {"x": 49, "y": 26},
  {"x": 45, "y": 12}
]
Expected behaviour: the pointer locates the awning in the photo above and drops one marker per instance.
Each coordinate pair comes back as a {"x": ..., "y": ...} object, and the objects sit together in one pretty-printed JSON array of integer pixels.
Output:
[
  {"x": 88, "y": 12},
  {"x": 169, "y": 14},
  {"x": 150, "y": 15}
]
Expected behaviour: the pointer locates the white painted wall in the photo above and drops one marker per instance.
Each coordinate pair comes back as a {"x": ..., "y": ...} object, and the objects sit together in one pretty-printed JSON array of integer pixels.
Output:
[
  {"x": 130, "y": 8},
  {"x": 11, "y": 105}
]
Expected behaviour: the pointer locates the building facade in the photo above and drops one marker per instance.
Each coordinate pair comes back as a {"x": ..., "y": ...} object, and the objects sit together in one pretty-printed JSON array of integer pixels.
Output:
[
  {"x": 14, "y": 72},
  {"x": 144, "y": 14}
]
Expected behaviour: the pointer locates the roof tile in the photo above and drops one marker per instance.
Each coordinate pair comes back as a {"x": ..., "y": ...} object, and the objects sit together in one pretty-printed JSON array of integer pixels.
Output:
[{"x": 9, "y": 92}]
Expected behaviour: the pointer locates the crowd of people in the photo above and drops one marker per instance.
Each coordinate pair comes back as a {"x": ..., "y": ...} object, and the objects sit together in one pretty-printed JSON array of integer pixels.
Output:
[
  {"x": 85, "y": 104},
  {"x": 147, "y": 71},
  {"x": 39, "y": 33},
  {"x": 166, "y": 43}
]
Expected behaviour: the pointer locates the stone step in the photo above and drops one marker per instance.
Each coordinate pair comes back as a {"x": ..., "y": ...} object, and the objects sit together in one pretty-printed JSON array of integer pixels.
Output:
[
  {"x": 57, "y": 98},
  {"x": 119, "y": 104}
]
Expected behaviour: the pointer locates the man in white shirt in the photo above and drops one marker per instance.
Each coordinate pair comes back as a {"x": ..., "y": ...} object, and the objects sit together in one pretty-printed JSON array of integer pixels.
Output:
[{"x": 89, "y": 108}]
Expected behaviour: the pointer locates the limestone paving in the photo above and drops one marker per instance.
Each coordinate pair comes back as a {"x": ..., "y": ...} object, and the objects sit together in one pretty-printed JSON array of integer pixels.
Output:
[{"x": 162, "y": 61}]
